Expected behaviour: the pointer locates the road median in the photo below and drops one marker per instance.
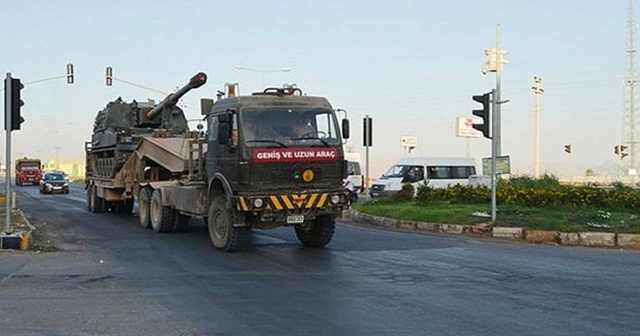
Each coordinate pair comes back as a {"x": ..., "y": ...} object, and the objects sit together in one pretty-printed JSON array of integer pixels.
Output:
[{"x": 587, "y": 239}]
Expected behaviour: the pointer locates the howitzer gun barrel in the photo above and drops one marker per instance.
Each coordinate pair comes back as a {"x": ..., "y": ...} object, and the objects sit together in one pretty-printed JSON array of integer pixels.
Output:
[{"x": 171, "y": 100}]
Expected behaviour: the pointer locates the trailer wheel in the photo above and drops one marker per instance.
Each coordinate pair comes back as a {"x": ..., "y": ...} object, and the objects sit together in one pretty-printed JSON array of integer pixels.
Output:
[
  {"x": 96, "y": 203},
  {"x": 144, "y": 209},
  {"x": 317, "y": 233},
  {"x": 162, "y": 217},
  {"x": 224, "y": 236}
]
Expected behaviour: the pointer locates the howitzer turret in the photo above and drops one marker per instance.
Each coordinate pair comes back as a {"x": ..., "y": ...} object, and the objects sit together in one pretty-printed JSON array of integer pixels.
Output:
[{"x": 120, "y": 125}]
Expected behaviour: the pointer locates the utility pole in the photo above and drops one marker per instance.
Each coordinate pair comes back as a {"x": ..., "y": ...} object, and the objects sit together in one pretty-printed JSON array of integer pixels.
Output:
[
  {"x": 537, "y": 90},
  {"x": 630, "y": 117}
]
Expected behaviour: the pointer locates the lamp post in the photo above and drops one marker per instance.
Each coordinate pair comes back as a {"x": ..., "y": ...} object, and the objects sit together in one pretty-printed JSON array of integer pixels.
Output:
[
  {"x": 264, "y": 72},
  {"x": 537, "y": 90}
]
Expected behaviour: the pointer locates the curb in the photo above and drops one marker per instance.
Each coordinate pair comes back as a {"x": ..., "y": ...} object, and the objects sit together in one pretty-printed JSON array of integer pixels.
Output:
[
  {"x": 586, "y": 239},
  {"x": 17, "y": 241}
]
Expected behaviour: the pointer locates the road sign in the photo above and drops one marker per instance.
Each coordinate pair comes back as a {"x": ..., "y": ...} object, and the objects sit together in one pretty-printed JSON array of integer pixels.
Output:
[
  {"x": 464, "y": 128},
  {"x": 503, "y": 165},
  {"x": 409, "y": 141}
]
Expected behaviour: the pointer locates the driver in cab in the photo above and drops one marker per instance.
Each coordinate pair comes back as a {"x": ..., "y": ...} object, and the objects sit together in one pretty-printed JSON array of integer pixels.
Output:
[{"x": 302, "y": 127}]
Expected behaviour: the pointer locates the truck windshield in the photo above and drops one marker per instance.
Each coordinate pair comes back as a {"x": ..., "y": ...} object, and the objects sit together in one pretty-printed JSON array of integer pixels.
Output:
[
  {"x": 304, "y": 126},
  {"x": 29, "y": 165}
]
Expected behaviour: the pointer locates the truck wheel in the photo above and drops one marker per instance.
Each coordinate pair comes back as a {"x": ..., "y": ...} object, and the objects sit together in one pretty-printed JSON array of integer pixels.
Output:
[
  {"x": 317, "y": 233},
  {"x": 144, "y": 209},
  {"x": 96, "y": 203},
  {"x": 224, "y": 236},
  {"x": 162, "y": 217}
]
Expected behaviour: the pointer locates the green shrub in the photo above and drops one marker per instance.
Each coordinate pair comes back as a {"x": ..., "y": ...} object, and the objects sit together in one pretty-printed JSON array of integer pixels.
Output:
[
  {"x": 425, "y": 193},
  {"x": 406, "y": 193},
  {"x": 526, "y": 191}
]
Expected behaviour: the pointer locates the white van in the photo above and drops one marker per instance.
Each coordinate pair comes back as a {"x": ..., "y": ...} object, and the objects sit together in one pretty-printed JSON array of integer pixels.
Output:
[
  {"x": 440, "y": 172},
  {"x": 354, "y": 171}
]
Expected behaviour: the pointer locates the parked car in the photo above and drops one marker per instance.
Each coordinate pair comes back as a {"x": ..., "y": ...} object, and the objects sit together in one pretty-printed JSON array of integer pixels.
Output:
[{"x": 54, "y": 183}]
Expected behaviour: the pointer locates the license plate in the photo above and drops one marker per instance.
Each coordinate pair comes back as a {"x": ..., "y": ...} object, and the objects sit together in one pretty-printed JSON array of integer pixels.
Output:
[
  {"x": 57, "y": 188},
  {"x": 295, "y": 219}
]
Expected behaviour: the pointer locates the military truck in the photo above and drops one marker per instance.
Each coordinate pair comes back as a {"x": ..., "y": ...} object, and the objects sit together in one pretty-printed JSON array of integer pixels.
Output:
[{"x": 250, "y": 169}]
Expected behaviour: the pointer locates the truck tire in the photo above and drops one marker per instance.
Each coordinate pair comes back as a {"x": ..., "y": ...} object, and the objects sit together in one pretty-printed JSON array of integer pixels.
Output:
[
  {"x": 224, "y": 236},
  {"x": 317, "y": 233},
  {"x": 144, "y": 207},
  {"x": 162, "y": 217},
  {"x": 96, "y": 203}
]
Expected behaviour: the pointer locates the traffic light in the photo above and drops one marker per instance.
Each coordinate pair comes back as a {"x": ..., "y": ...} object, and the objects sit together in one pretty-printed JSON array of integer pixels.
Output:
[
  {"x": 367, "y": 129},
  {"x": 622, "y": 153},
  {"x": 567, "y": 149},
  {"x": 16, "y": 103},
  {"x": 109, "y": 76},
  {"x": 619, "y": 150},
  {"x": 484, "y": 113},
  {"x": 69, "y": 73}
]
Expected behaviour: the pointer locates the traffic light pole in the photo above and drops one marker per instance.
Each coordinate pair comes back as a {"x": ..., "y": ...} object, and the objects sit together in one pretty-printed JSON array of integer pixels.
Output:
[
  {"x": 9, "y": 127},
  {"x": 495, "y": 143}
]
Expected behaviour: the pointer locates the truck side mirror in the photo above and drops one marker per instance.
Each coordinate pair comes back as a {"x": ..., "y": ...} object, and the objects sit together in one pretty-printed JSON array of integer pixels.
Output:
[
  {"x": 345, "y": 128},
  {"x": 206, "y": 105}
]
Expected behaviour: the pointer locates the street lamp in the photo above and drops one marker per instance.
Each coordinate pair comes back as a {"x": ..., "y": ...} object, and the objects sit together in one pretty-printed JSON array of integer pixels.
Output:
[
  {"x": 537, "y": 90},
  {"x": 264, "y": 72}
]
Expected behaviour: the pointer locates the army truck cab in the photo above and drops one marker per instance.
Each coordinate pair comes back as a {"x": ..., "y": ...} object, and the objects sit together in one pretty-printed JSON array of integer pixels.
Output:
[{"x": 274, "y": 158}]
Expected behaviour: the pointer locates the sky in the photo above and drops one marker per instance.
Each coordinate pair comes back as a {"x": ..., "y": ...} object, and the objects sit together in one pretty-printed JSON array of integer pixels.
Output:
[{"x": 411, "y": 65}]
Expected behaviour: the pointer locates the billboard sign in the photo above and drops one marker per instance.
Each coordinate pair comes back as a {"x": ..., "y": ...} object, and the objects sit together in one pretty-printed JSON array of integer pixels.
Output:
[{"x": 464, "y": 128}]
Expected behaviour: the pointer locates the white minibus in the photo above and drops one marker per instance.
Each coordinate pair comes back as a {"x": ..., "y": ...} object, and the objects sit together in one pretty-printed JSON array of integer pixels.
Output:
[{"x": 438, "y": 172}]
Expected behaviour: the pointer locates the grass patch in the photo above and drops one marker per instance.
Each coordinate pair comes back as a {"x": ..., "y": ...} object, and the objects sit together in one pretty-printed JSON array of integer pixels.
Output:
[{"x": 566, "y": 219}]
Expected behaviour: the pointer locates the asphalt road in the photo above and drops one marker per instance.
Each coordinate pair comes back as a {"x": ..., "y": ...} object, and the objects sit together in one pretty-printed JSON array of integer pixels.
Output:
[{"x": 111, "y": 277}]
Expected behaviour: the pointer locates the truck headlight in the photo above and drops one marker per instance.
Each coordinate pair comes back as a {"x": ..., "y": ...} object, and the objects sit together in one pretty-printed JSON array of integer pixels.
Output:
[
  {"x": 257, "y": 203},
  {"x": 335, "y": 199}
]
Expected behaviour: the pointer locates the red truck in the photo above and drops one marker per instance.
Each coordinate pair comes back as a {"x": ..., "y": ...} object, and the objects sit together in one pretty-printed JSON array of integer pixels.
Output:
[{"x": 28, "y": 171}]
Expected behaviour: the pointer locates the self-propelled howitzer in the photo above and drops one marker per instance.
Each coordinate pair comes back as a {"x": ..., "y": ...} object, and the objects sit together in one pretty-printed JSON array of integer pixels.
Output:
[{"x": 120, "y": 125}]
